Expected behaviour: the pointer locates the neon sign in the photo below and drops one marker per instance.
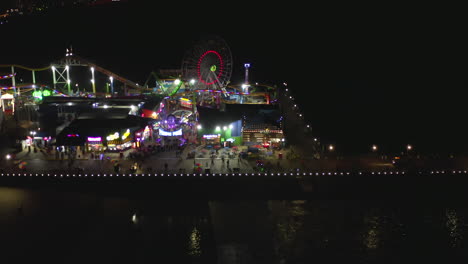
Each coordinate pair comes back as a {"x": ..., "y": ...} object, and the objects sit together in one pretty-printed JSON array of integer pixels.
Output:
[
  {"x": 94, "y": 139},
  {"x": 126, "y": 134},
  {"x": 210, "y": 136},
  {"x": 113, "y": 136},
  {"x": 169, "y": 133}
]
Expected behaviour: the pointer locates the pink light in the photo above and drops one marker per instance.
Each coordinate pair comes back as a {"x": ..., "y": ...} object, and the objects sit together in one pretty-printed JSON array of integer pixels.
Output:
[
  {"x": 94, "y": 139},
  {"x": 221, "y": 66}
]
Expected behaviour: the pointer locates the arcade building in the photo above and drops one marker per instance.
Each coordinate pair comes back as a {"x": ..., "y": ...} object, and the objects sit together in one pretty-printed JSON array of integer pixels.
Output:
[{"x": 110, "y": 132}]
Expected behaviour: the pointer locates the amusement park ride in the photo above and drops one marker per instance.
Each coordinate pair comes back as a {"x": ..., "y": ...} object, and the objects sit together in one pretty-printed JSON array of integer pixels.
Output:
[{"x": 203, "y": 80}]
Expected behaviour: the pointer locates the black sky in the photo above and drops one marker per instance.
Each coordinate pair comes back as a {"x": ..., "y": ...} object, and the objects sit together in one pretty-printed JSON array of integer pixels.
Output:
[{"x": 389, "y": 78}]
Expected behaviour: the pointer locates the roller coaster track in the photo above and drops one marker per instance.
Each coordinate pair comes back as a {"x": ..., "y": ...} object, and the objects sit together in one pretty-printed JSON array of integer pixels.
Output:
[
  {"x": 79, "y": 61},
  {"x": 24, "y": 67}
]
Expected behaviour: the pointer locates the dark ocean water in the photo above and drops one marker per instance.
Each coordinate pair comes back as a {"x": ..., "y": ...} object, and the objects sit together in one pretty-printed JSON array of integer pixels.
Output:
[{"x": 73, "y": 227}]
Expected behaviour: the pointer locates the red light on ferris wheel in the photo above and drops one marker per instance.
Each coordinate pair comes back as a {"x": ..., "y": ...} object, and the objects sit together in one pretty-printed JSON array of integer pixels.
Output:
[{"x": 213, "y": 68}]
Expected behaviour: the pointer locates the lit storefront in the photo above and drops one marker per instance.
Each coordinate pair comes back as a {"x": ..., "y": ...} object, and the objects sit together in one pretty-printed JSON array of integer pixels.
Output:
[
  {"x": 141, "y": 136},
  {"x": 266, "y": 137},
  {"x": 94, "y": 144},
  {"x": 7, "y": 104},
  {"x": 115, "y": 142},
  {"x": 211, "y": 139}
]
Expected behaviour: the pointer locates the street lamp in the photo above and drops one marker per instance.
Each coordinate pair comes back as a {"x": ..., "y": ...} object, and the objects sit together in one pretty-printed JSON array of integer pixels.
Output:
[
  {"x": 199, "y": 127},
  {"x": 408, "y": 149},
  {"x": 92, "y": 80},
  {"x": 112, "y": 84},
  {"x": 374, "y": 148},
  {"x": 331, "y": 147}
]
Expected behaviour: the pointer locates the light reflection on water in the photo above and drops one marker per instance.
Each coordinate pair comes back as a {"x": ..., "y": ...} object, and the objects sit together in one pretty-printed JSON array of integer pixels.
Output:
[
  {"x": 454, "y": 226},
  {"x": 194, "y": 243},
  {"x": 275, "y": 231},
  {"x": 372, "y": 234}
]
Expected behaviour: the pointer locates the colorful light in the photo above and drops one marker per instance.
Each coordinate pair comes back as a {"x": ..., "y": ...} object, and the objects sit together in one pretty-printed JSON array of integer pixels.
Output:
[{"x": 221, "y": 67}]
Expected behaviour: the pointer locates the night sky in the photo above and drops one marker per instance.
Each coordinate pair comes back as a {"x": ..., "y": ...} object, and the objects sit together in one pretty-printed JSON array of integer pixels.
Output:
[{"x": 388, "y": 78}]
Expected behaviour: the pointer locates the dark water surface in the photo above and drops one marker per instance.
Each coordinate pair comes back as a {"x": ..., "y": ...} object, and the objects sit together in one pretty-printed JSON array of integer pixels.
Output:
[{"x": 72, "y": 227}]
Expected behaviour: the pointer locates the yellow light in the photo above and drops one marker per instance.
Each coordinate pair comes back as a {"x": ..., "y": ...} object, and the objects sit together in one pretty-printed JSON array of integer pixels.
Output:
[
  {"x": 113, "y": 136},
  {"x": 126, "y": 134}
]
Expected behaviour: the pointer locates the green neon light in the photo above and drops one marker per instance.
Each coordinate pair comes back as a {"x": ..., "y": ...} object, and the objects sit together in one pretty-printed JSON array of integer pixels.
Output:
[
  {"x": 213, "y": 68},
  {"x": 46, "y": 93},
  {"x": 37, "y": 95},
  {"x": 176, "y": 89}
]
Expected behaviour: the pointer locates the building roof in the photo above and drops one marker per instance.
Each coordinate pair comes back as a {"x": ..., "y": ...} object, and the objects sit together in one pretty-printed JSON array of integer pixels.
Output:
[
  {"x": 210, "y": 117},
  {"x": 100, "y": 113},
  {"x": 99, "y": 127},
  {"x": 152, "y": 102},
  {"x": 256, "y": 116}
]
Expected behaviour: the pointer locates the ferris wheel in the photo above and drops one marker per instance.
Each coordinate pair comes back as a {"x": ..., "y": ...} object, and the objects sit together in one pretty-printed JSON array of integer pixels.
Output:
[{"x": 208, "y": 64}]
